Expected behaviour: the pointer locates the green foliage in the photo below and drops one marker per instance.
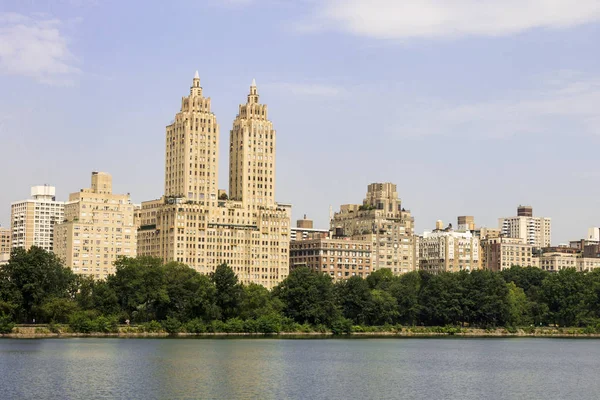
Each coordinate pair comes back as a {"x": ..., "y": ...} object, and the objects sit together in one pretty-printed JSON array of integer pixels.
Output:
[
  {"x": 6, "y": 324},
  {"x": 341, "y": 326},
  {"x": 58, "y": 309},
  {"x": 171, "y": 325},
  {"x": 308, "y": 296},
  {"x": 151, "y": 327},
  {"x": 30, "y": 278},
  {"x": 195, "y": 326},
  {"x": 228, "y": 291}
]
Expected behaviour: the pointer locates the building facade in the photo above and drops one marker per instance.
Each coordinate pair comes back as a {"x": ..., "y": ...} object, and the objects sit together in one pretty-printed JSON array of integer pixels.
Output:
[
  {"x": 98, "y": 227},
  {"x": 381, "y": 221},
  {"x": 197, "y": 224},
  {"x": 305, "y": 230},
  {"x": 5, "y": 247},
  {"x": 448, "y": 251},
  {"x": 341, "y": 258},
  {"x": 536, "y": 231},
  {"x": 554, "y": 259},
  {"x": 500, "y": 253},
  {"x": 32, "y": 221}
]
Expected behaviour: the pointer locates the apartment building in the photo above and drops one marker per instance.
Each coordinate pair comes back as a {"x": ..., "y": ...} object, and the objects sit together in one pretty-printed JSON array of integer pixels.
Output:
[
  {"x": 446, "y": 250},
  {"x": 554, "y": 259},
  {"x": 5, "y": 245},
  {"x": 536, "y": 231},
  {"x": 500, "y": 253},
  {"x": 305, "y": 230},
  {"x": 98, "y": 228},
  {"x": 32, "y": 221},
  {"x": 382, "y": 221},
  {"x": 341, "y": 258},
  {"x": 196, "y": 223}
]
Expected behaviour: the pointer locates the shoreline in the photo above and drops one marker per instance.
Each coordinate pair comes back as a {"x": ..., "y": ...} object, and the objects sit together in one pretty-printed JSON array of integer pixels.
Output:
[{"x": 41, "y": 332}]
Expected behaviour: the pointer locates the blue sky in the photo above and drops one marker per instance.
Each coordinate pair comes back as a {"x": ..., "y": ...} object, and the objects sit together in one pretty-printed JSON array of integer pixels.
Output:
[{"x": 470, "y": 107}]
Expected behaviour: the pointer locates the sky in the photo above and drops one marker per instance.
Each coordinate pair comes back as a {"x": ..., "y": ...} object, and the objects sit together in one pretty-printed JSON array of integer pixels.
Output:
[{"x": 471, "y": 107}]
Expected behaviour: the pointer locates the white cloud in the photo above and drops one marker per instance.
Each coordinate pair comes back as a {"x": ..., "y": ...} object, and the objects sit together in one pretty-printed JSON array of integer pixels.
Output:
[
  {"x": 572, "y": 103},
  {"x": 399, "y": 19},
  {"x": 35, "y": 48},
  {"x": 306, "y": 89}
]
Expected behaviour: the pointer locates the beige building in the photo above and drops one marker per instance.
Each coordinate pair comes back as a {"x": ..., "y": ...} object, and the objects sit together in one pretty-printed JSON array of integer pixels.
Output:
[
  {"x": 341, "y": 258},
  {"x": 446, "y": 250},
  {"x": 305, "y": 230},
  {"x": 466, "y": 223},
  {"x": 4, "y": 245},
  {"x": 536, "y": 231},
  {"x": 554, "y": 259},
  {"x": 32, "y": 221},
  {"x": 500, "y": 253},
  {"x": 98, "y": 227},
  {"x": 197, "y": 224},
  {"x": 381, "y": 221}
]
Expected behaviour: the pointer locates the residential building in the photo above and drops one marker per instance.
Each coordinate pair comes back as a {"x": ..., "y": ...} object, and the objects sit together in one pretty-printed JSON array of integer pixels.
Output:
[
  {"x": 381, "y": 221},
  {"x": 594, "y": 234},
  {"x": 554, "y": 259},
  {"x": 32, "y": 221},
  {"x": 98, "y": 227},
  {"x": 536, "y": 231},
  {"x": 5, "y": 241},
  {"x": 196, "y": 223},
  {"x": 446, "y": 250},
  {"x": 500, "y": 253},
  {"x": 466, "y": 223},
  {"x": 341, "y": 258},
  {"x": 305, "y": 230}
]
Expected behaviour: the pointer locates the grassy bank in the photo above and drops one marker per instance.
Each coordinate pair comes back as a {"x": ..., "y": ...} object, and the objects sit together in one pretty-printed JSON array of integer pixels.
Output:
[{"x": 63, "y": 331}]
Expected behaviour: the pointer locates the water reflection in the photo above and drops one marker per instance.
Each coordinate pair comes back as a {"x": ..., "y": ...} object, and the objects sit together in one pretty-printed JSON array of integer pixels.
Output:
[{"x": 94, "y": 368}]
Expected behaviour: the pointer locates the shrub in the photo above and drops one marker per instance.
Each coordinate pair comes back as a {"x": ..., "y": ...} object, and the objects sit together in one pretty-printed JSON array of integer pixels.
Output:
[
  {"x": 341, "y": 326},
  {"x": 6, "y": 324},
  {"x": 151, "y": 327},
  {"x": 320, "y": 328},
  {"x": 251, "y": 326},
  {"x": 195, "y": 326},
  {"x": 269, "y": 323},
  {"x": 216, "y": 326},
  {"x": 81, "y": 322},
  {"x": 234, "y": 325},
  {"x": 105, "y": 324},
  {"x": 171, "y": 325}
]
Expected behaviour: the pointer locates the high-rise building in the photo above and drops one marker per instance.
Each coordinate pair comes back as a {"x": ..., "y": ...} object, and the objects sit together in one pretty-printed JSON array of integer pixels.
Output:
[
  {"x": 32, "y": 221},
  {"x": 446, "y": 250},
  {"x": 594, "y": 234},
  {"x": 4, "y": 245},
  {"x": 196, "y": 223},
  {"x": 381, "y": 221},
  {"x": 98, "y": 227},
  {"x": 536, "y": 231}
]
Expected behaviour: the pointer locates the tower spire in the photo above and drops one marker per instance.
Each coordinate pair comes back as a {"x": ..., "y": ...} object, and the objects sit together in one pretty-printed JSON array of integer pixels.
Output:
[
  {"x": 196, "y": 75},
  {"x": 253, "y": 83}
]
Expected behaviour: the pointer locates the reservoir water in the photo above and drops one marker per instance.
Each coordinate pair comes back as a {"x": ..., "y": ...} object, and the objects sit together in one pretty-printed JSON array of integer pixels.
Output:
[{"x": 109, "y": 368}]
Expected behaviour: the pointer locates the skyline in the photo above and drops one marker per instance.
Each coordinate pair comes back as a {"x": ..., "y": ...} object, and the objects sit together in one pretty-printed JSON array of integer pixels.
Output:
[{"x": 434, "y": 107}]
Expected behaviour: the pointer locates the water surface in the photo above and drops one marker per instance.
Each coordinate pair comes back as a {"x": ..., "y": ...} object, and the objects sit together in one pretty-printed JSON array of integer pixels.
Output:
[{"x": 470, "y": 369}]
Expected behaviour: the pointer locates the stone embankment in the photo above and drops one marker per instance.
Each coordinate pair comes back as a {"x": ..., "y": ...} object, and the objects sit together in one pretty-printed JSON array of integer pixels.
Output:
[{"x": 44, "y": 331}]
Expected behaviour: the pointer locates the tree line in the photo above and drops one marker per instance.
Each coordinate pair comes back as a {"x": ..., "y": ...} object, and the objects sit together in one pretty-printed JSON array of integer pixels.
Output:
[{"x": 35, "y": 286}]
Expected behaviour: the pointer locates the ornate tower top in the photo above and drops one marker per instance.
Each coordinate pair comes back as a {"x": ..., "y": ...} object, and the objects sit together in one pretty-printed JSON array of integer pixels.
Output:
[
  {"x": 196, "y": 89},
  {"x": 253, "y": 96}
]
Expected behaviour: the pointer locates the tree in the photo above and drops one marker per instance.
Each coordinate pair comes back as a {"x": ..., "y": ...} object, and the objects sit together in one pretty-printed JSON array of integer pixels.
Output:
[
  {"x": 38, "y": 275},
  {"x": 380, "y": 279},
  {"x": 484, "y": 299},
  {"x": 308, "y": 297},
  {"x": 406, "y": 291},
  {"x": 139, "y": 284},
  {"x": 441, "y": 300},
  {"x": 354, "y": 297},
  {"x": 382, "y": 309},
  {"x": 228, "y": 291},
  {"x": 190, "y": 294},
  {"x": 564, "y": 293},
  {"x": 518, "y": 306},
  {"x": 257, "y": 301}
]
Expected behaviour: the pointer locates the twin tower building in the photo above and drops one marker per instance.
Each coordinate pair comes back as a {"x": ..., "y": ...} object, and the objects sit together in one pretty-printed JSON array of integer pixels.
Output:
[{"x": 197, "y": 224}]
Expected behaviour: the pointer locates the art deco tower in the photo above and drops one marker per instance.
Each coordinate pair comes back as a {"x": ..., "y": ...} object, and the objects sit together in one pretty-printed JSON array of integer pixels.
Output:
[
  {"x": 192, "y": 149},
  {"x": 248, "y": 231},
  {"x": 252, "y": 155}
]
